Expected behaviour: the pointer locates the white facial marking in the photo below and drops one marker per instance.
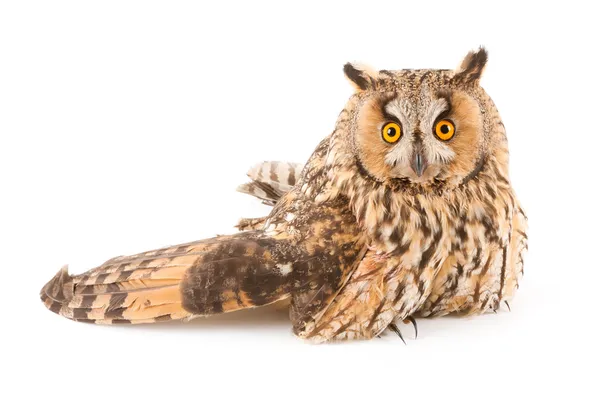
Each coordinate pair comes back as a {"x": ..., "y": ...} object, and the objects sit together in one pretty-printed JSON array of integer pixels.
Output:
[
  {"x": 403, "y": 110},
  {"x": 435, "y": 150},
  {"x": 433, "y": 112},
  {"x": 401, "y": 152}
]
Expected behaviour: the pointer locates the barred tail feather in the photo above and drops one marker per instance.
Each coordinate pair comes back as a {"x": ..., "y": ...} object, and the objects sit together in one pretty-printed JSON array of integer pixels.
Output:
[
  {"x": 271, "y": 179},
  {"x": 263, "y": 191}
]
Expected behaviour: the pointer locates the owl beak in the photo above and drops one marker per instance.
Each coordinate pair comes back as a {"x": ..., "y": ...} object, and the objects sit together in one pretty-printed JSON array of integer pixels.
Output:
[{"x": 419, "y": 162}]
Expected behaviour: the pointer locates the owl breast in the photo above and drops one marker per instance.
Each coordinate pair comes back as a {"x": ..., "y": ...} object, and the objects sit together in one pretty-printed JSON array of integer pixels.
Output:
[
  {"x": 467, "y": 247},
  {"x": 481, "y": 261}
]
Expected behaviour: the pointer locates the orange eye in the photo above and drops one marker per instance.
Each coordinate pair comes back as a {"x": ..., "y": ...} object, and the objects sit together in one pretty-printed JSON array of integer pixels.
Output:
[
  {"x": 391, "y": 132},
  {"x": 444, "y": 129}
]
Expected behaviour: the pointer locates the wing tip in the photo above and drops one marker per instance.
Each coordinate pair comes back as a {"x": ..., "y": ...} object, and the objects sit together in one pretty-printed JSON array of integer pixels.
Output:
[
  {"x": 59, "y": 291},
  {"x": 58, "y": 295}
]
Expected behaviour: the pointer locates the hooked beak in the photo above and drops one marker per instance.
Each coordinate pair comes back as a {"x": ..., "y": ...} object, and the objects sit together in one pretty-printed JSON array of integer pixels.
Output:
[{"x": 419, "y": 162}]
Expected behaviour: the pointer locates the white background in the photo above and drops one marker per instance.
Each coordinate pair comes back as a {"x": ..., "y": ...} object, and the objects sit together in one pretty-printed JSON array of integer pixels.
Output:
[{"x": 126, "y": 126}]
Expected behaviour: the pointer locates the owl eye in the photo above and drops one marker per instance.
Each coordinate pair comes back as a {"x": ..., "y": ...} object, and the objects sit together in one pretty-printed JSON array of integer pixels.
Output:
[
  {"x": 391, "y": 132},
  {"x": 444, "y": 129}
]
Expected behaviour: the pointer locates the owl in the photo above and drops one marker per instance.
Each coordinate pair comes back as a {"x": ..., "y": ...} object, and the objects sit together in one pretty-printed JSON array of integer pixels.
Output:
[{"x": 405, "y": 210}]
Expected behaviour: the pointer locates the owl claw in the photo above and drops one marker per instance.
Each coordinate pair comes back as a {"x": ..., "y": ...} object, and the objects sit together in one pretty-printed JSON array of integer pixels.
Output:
[
  {"x": 394, "y": 328},
  {"x": 507, "y": 305},
  {"x": 412, "y": 320}
]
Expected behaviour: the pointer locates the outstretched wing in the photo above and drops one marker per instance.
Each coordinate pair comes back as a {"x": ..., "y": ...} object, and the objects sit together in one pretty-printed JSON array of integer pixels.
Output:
[
  {"x": 206, "y": 277},
  {"x": 303, "y": 249},
  {"x": 306, "y": 249}
]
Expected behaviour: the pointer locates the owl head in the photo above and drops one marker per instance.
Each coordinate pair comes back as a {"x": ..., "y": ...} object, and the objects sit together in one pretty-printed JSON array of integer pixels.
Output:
[{"x": 419, "y": 128}]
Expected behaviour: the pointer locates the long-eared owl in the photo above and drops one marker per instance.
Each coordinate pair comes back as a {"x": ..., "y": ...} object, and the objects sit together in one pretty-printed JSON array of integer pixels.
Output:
[{"x": 405, "y": 210}]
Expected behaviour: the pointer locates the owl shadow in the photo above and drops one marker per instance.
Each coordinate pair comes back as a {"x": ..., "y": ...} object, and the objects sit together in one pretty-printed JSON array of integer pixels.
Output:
[
  {"x": 276, "y": 317},
  {"x": 267, "y": 317}
]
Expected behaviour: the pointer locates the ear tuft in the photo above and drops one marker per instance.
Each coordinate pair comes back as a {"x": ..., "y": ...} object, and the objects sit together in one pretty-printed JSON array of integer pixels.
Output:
[
  {"x": 362, "y": 77},
  {"x": 472, "y": 66}
]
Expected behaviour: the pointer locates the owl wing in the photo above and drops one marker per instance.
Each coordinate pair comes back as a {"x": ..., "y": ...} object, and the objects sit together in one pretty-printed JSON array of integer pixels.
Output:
[
  {"x": 305, "y": 249},
  {"x": 205, "y": 277},
  {"x": 211, "y": 276}
]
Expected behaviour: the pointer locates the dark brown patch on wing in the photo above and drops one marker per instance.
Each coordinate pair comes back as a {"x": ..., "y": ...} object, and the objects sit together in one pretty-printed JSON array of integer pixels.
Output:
[{"x": 242, "y": 272}]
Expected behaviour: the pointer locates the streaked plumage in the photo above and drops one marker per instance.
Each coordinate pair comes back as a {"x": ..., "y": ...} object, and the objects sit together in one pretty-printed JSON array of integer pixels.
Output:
[{"x": 405, "y": 210}]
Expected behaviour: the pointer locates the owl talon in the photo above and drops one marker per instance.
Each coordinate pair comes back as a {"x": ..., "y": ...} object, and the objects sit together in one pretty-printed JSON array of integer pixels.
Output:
[
  {"x": 507, "y": 305},
  {"x": 394, "y": 328},
  {"x": 412, "y": 320}
]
